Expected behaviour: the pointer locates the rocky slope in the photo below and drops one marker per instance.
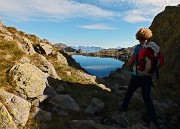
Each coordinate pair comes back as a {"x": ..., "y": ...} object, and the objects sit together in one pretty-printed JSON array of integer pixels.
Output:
[
  {"x": 43, "y": 87},
  {"x": 35, "y": 80}
]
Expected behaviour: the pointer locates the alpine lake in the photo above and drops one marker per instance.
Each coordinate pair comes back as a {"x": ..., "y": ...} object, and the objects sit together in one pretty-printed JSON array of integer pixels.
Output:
[{"x": 98, "y": 66}]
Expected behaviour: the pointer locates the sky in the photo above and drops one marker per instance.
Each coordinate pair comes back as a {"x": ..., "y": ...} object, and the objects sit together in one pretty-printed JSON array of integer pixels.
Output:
[{"x": 100, "y": 23}]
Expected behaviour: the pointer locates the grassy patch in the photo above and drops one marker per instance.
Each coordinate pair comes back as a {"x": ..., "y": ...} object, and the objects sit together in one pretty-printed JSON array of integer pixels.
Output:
[
  {"x": 9, "y": 54},
  {"x": 12, "y": 30}
]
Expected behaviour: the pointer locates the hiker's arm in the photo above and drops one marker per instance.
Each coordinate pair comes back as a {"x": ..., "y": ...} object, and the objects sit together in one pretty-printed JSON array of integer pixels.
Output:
[
  {"x": 134, "y": 56},
  {"x": 131, "y": 61}
]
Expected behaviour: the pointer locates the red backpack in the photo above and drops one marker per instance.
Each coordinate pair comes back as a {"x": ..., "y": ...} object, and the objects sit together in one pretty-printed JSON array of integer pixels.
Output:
[{"x": 150, "y": 59}]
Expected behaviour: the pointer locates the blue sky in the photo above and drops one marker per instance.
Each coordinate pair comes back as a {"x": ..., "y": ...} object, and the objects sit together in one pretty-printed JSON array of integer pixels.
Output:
[{"x": 101, "y": 23}]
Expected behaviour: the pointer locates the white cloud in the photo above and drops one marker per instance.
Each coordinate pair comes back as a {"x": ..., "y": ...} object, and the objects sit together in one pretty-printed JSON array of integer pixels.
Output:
[
  {"x": 133, "y": 16},
  {"x": 52, "y": 9},
  {"x": 64, "y": 9},
  {"x": 98, "y": 27},
  {"x": 136, "y": 18},
  {"x": 138, "y": 3},
  {"x": 145, "y": 9}
]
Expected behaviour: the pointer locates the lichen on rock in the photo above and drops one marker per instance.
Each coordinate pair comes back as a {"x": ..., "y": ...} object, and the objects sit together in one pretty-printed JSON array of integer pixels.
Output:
[
  {"x": 30, "y": 81},
  {"x": 16, "y": 106}
]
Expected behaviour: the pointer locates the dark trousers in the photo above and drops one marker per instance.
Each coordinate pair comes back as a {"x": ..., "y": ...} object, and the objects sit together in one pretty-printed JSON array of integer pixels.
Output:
[{"x": 145, "y": 83}]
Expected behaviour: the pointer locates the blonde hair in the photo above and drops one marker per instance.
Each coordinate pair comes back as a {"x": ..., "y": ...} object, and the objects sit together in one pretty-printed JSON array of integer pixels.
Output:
[{"x": 143, "y": 34}]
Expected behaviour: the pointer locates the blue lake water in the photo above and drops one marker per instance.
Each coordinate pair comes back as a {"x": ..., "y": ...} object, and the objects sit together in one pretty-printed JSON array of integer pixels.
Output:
[{"x": 98, "y": 66}]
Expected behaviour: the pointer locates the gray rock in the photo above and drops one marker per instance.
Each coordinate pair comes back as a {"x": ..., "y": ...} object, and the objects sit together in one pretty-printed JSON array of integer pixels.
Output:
[
  {"x": 60, "y": 112},
  {"x": 18, "y": 37},
  {"x": 64, "y": 102},
  {"x": 101, "y": 126},
  {"x": 35, "y": 102},
  {"x": 8, "y": 38},
  {"x": 50, "y": 91},
  {"x": 152, "y": 125},
  {"x": 43, "y": 48},
  {"x": 120, "y": 118},
  {"x": 5, "y": 31},
  {"x": 41, "y": 115},
  {"x": 82, "y": 124},
  {"x": 30, "y": 81},
  {"x": 6, "y": 120},
  {"x": 48, "y": 67},
  {"x": 17, "y": 107},
  {"x": 130, "y": 117},
  {"x": 61, "y": 58},
  {"x": 95, "y": 106},
  {"x": 115, "y": 87},
  {"x": 26, "y": 46},
  {"x": 138, "y": 126},
  {"x": 60, "y": 88}
]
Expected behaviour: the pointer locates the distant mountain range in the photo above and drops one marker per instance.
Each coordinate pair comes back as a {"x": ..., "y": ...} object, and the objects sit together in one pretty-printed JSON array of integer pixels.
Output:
[{"x": 87, "y": 49}]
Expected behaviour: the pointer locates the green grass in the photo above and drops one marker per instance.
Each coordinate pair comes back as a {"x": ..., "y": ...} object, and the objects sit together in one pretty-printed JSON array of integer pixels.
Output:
[{"x": 9, "y": 54}]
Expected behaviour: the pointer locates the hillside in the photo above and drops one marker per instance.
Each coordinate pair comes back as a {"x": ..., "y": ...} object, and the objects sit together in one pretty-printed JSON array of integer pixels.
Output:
[
  {"x": 35, "y": 75},
  {"x": 42, "y": 87}
]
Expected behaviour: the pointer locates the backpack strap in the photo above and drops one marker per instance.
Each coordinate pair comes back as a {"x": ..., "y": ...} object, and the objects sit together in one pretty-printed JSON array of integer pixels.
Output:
[{"x": 137, "y": 62}]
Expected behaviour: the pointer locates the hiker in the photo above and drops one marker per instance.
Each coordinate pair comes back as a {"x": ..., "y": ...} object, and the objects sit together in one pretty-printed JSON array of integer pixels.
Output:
[{"x": 138, "y": 79}]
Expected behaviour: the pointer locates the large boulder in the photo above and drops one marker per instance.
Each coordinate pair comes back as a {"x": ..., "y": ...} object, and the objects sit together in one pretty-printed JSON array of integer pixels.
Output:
[
  {"x": 30, "y": 81},
  {"x": 16, "y": 106},
  {"x": 43, "y": 48},
  {"x": 95, "y": 106},
  {"x": 65, "y": 102}
]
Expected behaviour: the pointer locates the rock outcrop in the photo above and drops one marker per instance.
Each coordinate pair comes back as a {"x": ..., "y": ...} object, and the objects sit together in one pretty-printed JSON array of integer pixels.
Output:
[
  {"x": 166, "y": 30},
  {"x": 26, "y": 46},
  {"x": 43, "y": 48},
  {"x": 65, "y": 102},
  {"x": 30, "y": 81}
]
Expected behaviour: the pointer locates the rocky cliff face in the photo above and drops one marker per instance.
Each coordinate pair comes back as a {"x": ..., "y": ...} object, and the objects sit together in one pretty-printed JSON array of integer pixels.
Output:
[{"x": 166, "y": 29}]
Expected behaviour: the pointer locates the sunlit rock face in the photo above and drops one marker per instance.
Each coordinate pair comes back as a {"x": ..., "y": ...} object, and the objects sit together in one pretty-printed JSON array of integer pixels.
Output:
[
  {"x": 17, "y": 107},
  {"x": 30, "y": 81}
]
